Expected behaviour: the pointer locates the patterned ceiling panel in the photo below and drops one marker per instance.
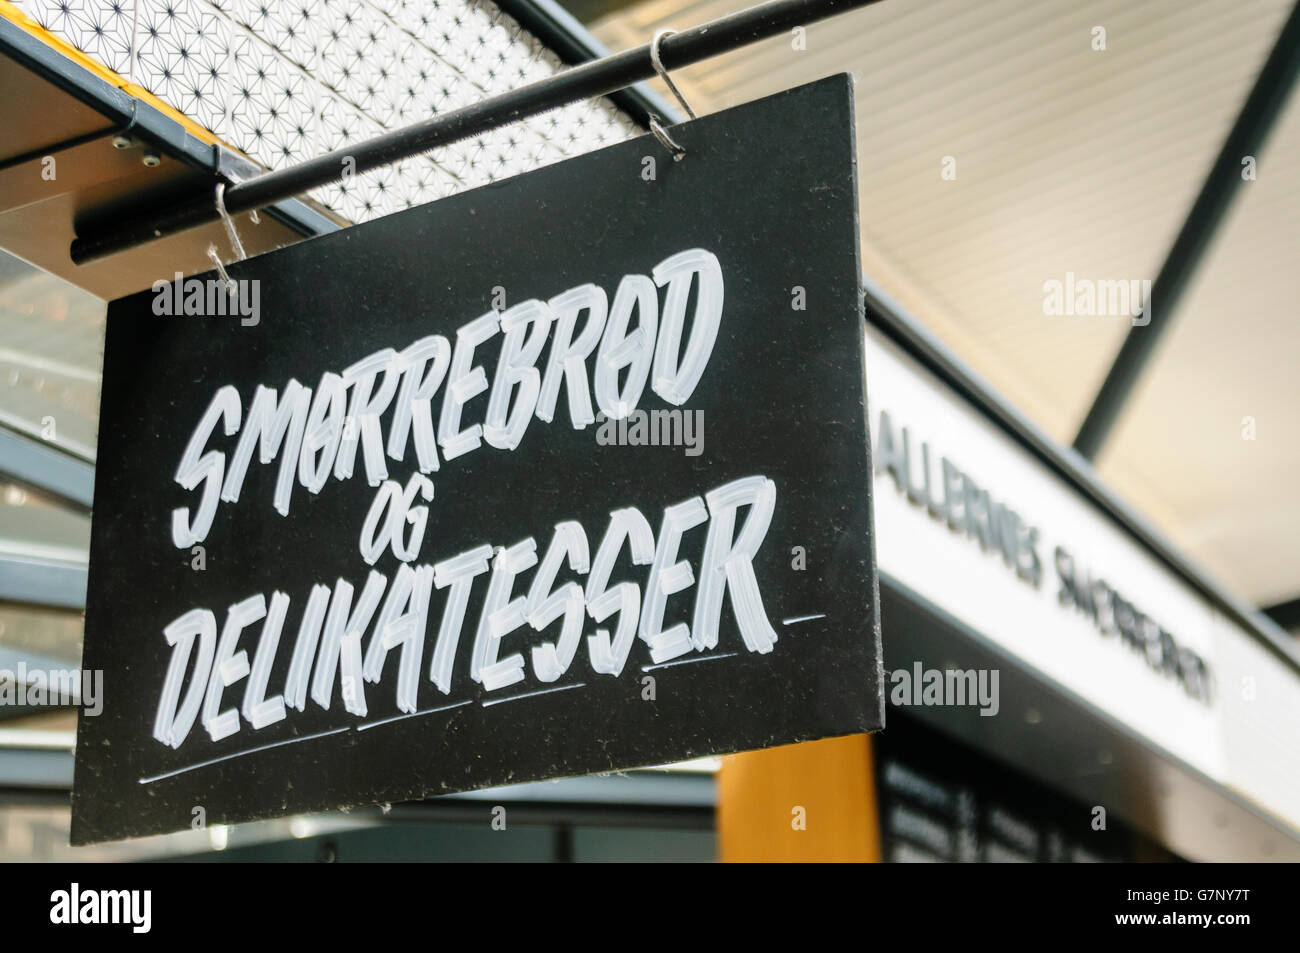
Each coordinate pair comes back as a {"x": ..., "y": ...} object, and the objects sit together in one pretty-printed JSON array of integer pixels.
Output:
[{"x": 285, "y": 80}]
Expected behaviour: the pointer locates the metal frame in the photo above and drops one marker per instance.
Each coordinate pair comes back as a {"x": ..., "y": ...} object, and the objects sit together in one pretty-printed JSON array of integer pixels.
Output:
[
  {"x": 1256, "y": 118},
  {"x": 139, "y": 119},
  {"x": 588, "y": 81}
]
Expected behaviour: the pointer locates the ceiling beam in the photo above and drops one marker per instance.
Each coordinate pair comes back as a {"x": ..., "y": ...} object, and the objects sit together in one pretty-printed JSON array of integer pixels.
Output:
[
  {"x": 1286, "y": 614},
  {"x": 1256, "y": 118}
]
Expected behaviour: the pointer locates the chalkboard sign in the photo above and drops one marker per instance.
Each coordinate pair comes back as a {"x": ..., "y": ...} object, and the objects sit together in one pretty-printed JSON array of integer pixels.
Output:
[{"x": 566, "y": 474}]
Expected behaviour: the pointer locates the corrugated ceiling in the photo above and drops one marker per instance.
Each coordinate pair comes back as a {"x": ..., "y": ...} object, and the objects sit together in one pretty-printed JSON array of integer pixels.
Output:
[{"x": 1073, "y": 159}]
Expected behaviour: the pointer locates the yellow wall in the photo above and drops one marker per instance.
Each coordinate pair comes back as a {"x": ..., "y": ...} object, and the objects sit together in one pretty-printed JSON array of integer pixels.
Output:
[{"x": 760, "y": 792}]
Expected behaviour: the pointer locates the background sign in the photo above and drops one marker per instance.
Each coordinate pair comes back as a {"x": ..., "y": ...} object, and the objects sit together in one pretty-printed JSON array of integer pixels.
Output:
[
  {"x": 981, "y": 529},
  {"x": 567, "y": 474}
]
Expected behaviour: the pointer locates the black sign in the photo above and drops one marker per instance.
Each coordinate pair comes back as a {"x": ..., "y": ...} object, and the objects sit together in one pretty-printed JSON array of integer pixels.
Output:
[{"x": 566, "y": 474}]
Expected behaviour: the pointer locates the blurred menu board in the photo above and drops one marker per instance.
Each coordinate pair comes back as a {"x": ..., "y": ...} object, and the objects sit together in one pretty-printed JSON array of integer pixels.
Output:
[{"x": 941, "y": 802}]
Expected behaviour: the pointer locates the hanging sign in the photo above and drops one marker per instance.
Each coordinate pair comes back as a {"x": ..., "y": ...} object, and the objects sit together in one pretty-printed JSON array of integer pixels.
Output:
[{"x": 566, "y": 474}]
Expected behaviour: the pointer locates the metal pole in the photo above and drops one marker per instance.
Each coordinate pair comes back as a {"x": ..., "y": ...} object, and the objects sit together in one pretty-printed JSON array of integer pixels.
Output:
[
  {"x": 549, "y": 22},
  {"x": 597, "y": 78},
  {"x": 1261, "y": 108}
]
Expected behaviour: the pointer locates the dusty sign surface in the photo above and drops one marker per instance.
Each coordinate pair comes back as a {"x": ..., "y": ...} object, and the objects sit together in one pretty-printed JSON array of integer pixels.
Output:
[{"x": 563, "y": 475}]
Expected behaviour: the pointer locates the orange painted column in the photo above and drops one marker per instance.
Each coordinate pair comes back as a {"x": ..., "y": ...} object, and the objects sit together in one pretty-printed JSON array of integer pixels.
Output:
[{"x": 810, "y": 802}]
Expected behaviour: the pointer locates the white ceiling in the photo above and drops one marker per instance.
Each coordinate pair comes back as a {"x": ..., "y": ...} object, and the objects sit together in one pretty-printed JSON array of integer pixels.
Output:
[{"x": 1070, "y": 159}]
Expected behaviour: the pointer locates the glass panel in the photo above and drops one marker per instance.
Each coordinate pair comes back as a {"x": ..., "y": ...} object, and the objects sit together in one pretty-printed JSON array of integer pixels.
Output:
[
  {"x": 51, "y": 349},
  {"x": 49, "y": 633},
  {"x": 51, "y": 344},
  {"x": 36, "y": 526}
]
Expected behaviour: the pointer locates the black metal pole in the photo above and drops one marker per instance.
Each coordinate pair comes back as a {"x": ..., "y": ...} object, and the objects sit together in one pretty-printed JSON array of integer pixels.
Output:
[
  {"x": 563, "y": 35},
  {"x": 1253, "y": 123},
  {"x": 587, "y": 81}
]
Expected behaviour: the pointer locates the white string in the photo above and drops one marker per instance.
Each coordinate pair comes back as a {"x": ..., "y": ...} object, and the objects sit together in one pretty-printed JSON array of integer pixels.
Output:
[{"x": 221, "y": 270}]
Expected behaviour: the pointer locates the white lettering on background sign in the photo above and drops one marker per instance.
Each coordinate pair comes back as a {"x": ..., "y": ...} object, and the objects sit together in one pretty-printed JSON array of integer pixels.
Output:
[
  {"x": 969, "y": 521},
  {"x": 933, "y": 482},
  {"x": 316, "y": 433}
]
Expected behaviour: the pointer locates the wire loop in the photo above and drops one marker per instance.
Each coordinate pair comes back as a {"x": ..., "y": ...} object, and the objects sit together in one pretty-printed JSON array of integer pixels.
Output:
[{"x": 663, "y": 73}]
